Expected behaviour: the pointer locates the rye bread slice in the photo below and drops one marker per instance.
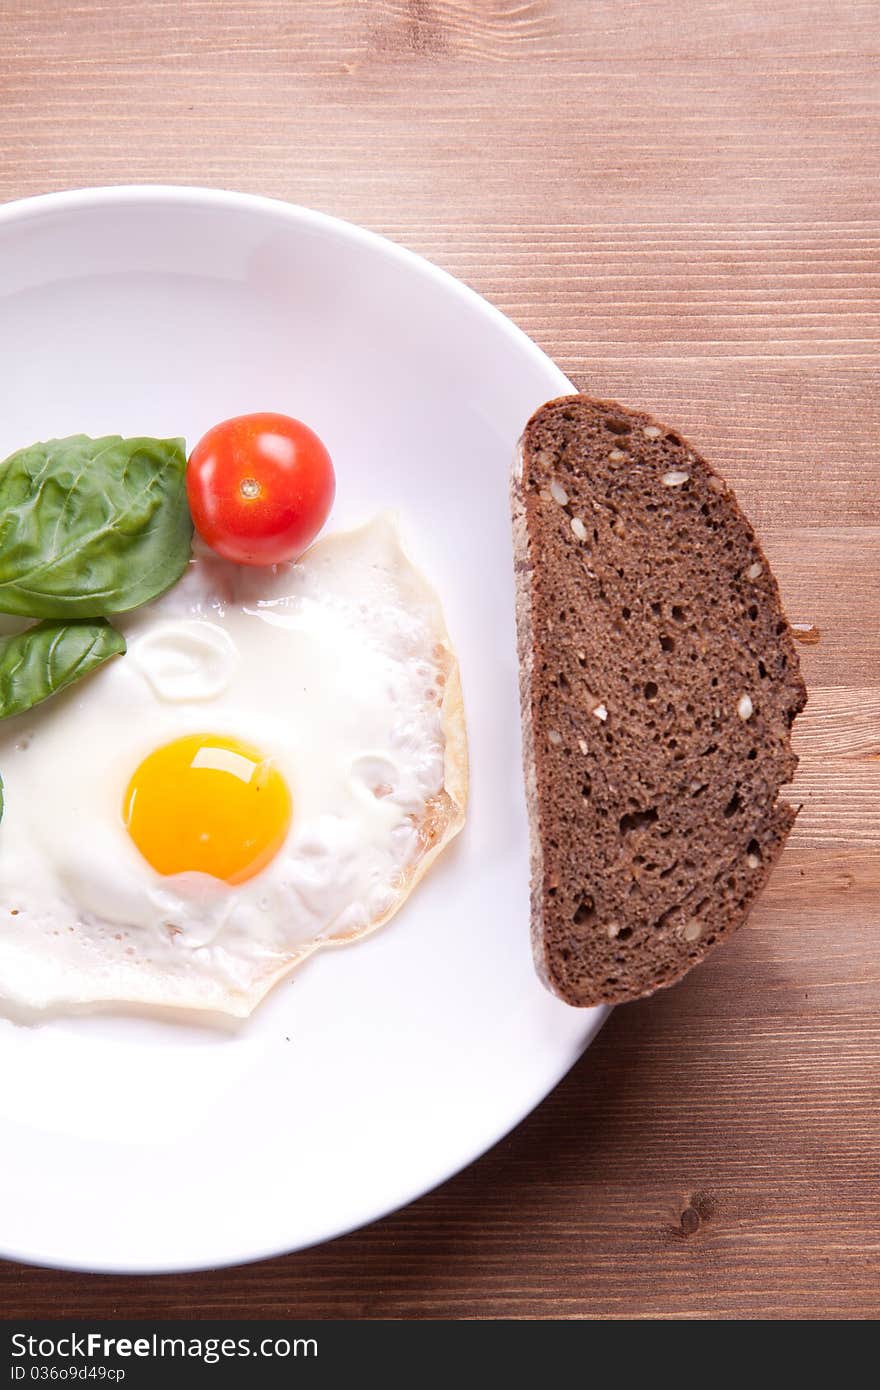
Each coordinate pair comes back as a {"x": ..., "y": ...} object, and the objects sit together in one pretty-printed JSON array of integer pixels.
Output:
[{"x": 659, "y": 684}]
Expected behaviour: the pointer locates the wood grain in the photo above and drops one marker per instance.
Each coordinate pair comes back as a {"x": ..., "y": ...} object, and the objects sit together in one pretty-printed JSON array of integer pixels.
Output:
[{"x": 679, "y": 203}]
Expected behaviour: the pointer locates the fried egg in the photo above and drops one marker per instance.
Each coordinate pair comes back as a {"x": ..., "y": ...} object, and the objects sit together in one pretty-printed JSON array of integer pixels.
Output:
[{"x": 270, "y": 769}]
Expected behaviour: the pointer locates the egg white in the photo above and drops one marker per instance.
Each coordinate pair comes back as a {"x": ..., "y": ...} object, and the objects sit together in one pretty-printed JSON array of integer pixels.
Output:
[{"x": 337, "y": 667}]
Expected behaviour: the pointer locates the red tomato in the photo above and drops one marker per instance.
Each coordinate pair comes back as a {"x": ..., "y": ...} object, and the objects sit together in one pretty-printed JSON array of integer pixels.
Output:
[{"x": 260, "y": 488}]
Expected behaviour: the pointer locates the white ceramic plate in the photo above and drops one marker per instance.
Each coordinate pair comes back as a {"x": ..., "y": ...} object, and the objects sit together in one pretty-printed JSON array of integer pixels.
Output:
[{"x": 377, "y": 1071}]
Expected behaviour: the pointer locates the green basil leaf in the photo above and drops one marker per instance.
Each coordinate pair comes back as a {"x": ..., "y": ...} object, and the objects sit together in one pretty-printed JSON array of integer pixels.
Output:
[
  {"x": 91, "y": 527},
  {"x": 49, "y": 657}
]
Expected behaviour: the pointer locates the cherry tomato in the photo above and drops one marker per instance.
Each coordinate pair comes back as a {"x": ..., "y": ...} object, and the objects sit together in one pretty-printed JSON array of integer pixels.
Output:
[{"x": 260, "y": 488}]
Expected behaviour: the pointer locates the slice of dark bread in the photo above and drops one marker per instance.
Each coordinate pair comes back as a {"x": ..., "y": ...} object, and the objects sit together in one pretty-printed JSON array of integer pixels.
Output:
[{"x": 659, "y": 685}]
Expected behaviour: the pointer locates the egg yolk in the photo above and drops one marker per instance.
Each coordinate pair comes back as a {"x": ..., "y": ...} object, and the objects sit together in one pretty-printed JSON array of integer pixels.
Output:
[{"x": 208, "y": 804}]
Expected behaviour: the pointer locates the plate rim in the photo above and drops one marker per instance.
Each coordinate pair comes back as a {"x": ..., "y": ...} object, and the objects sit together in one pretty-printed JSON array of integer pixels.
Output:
[
  {"x": 108, "y": 195},
  {"x": 37, "y": 206}
]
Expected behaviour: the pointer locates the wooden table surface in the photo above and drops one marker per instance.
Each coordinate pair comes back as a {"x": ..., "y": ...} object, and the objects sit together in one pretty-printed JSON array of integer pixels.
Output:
[{"x": 679, "y": 202}]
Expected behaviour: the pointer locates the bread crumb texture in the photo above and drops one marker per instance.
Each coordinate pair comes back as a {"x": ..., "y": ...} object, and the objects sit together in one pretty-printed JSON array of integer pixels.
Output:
[{"x": 659, "y": 684}]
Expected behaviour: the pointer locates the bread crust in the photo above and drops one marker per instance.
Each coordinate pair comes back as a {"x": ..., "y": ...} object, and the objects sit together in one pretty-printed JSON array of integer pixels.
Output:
[
  {"x": 616, "y": 916},
  {"x": 526, "y": 660}
]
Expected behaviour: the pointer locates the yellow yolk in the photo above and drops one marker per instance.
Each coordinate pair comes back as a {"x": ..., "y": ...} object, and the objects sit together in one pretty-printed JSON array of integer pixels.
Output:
[{"x": 210, "y": 804}]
